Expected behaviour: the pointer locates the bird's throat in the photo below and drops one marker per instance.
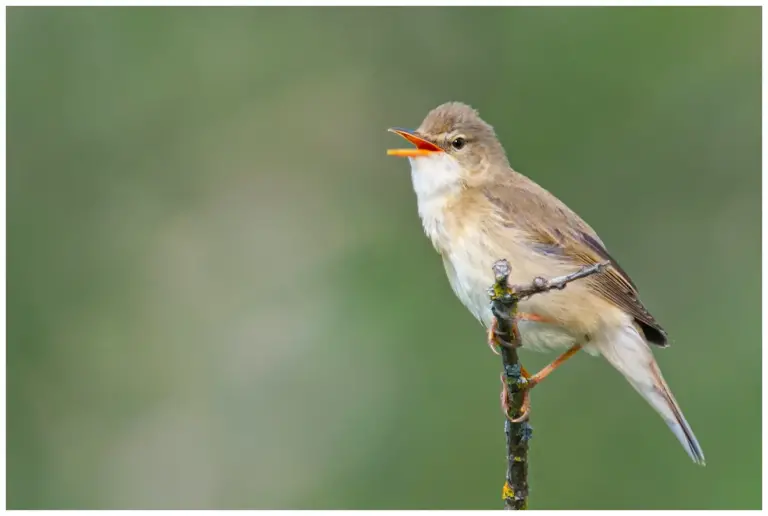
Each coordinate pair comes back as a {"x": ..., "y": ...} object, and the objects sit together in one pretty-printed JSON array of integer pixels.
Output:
[{"x": 437, "y": 181}]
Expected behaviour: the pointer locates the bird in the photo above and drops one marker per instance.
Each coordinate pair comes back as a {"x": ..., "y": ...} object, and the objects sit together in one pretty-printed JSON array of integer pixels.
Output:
[{"x": 476, "y": 209}]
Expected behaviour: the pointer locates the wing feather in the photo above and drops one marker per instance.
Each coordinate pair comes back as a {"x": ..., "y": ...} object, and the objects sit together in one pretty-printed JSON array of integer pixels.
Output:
[{"x": 556, "y": 230}]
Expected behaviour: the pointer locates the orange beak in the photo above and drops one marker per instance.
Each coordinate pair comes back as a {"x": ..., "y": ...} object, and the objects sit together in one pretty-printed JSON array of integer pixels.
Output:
[{"x": 423, "y": 147}]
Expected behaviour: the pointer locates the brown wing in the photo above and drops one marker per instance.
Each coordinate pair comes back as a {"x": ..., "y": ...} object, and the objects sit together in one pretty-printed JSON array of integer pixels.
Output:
[{"x": 556, "y": 230}]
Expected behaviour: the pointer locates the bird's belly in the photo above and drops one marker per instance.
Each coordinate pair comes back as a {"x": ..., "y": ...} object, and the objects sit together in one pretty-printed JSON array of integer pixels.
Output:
[
  {"x": 470, "y": 284},
  {"x": 537, "y": 336}
]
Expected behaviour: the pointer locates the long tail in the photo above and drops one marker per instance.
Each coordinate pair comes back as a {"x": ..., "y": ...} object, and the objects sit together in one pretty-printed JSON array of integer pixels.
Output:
[{"x": 628, "y": 352}]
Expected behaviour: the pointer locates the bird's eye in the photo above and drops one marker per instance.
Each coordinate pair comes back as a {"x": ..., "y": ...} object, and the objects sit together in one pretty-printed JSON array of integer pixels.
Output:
[{"x": 458, "y": 143}]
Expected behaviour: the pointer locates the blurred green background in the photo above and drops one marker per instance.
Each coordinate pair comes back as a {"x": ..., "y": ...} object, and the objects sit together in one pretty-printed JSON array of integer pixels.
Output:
[{"x": 220, "y": 296}]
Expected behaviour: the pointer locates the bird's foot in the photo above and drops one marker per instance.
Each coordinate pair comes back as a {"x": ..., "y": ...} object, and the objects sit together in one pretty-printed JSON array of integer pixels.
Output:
[
  {"x": 526, "y": 382},
  {"x": 525, "y": 407},
  {"x": 497, "y": 340}
]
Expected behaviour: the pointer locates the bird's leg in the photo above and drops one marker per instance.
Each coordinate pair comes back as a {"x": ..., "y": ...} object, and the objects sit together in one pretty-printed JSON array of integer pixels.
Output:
[
  {"x": 525, "y": 316},
  {"x": 531, "y": 382},
  {"x": 546, "y": 371},
  {"x": 495, "y": 340}
]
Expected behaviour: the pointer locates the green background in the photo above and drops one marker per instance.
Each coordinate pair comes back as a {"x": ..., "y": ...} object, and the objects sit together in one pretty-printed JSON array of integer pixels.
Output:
[{"x": 220, "y": 295}]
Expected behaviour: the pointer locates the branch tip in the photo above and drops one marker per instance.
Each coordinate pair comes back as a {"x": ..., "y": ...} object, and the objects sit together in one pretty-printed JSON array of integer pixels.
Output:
[{"x": 501, "y": 270}]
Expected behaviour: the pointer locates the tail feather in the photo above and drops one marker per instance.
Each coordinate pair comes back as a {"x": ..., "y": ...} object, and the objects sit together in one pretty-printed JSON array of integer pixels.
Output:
[{"x": 628, "y": 352}]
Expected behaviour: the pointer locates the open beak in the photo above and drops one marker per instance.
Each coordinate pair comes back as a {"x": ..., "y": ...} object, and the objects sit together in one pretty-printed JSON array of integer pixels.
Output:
[{"x": 423, "y": 147}]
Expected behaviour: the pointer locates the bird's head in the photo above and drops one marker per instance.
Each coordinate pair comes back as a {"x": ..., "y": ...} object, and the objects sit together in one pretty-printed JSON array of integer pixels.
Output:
[{"x": 453, "y": 147}]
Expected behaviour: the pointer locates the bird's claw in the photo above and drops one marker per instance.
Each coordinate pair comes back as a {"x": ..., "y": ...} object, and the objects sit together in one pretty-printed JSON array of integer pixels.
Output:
[
  {"x": 499, "y": 313},
  {"x": 498, "y": 339},
  {"x": 525, "y": 408}
]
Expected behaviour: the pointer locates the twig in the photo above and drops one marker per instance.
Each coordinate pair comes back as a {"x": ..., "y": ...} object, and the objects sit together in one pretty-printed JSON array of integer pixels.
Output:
[
  {"x": 504, "y": 301},
  {"x": 540, "y": 285}
]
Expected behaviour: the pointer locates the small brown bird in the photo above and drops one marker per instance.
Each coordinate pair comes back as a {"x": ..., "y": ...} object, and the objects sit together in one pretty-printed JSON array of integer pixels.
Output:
[{"x": 476, "y": 209}]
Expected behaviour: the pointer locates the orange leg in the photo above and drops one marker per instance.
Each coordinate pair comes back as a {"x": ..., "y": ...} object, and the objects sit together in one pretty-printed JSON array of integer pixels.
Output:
[
  {"x": 538, "y": 377},
  {"x": 533, "y": 380},
  {"x": 524, "y": 316},
  {"x": 525, "y": 408}
]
